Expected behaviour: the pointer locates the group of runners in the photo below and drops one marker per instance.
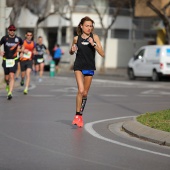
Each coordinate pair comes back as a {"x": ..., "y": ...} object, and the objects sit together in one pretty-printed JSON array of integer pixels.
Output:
[
  {"x": 21, "y": 54},
  {"x": 84, "y": 45}
]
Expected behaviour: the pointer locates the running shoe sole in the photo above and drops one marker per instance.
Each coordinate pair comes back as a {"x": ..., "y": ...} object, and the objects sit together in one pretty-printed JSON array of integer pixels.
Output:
[
  {"x": 25, "y": 93},
  {"x": 22, "y": 83},
  {"x": 9, "y": 97}
]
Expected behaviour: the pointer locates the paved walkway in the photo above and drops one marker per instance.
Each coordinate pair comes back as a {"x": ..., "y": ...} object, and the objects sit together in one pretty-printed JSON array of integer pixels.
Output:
[
  {"x": 141, "y": 131},
  {"x": 132, "y": 126}
]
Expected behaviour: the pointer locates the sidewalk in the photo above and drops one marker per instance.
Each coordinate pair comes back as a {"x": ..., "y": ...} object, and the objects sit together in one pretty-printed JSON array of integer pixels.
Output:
[{"x": 141, "y": 131}]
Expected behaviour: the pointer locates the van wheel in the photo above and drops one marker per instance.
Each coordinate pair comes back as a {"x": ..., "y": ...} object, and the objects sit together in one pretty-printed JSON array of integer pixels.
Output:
[
  {"x": 155, "y": 76},
  {"x": 131, "y": 74}
]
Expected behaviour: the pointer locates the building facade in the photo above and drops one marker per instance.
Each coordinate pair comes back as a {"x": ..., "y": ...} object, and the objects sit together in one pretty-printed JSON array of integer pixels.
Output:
[{"x": 56, "y": 29}]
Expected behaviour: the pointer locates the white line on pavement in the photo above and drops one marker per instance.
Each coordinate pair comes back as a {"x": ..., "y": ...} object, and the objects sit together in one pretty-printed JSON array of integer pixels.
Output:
[
  {"x": 112, "y": 81},
  {"x": 89, "y": 128},
  {"x": 42, "y": 95},
  {"x": 113, "y": 95}
]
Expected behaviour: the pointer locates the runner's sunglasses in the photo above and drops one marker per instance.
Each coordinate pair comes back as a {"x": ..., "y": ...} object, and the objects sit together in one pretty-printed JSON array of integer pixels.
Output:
[{"x": 11, "y": 29}]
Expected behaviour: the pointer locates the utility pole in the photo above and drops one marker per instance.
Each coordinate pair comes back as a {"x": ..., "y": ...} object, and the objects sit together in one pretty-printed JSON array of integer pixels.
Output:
[{"x": 2, "y": 26}]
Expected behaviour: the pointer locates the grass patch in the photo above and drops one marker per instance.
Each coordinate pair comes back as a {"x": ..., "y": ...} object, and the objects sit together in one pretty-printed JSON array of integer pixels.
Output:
[{"x": 157, "y": 120}]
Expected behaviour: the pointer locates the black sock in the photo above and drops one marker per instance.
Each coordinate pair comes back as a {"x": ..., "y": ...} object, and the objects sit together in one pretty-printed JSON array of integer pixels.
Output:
[
  {"x": 7, "y": 82},
  {"x": 83, "y": 104},
  {"x": 78, "y": 113}
]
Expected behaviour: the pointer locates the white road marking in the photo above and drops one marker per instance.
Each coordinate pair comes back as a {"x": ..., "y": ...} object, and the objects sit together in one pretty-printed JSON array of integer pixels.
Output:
[
  {"x": 89, "y": 128},
  {"x": 152, "y": 95},
  {"x": 156, "y": 92},
  {"x": 33, "y": 86},
  {"x": 113, "y": 95},
  {"x": 66, "y": 89},
  {"x": 42, "y": 95},
  {"x": 71, "y": 95},
  {"x": 147, "y": 92},
  {"x": 112, "y": 81}
]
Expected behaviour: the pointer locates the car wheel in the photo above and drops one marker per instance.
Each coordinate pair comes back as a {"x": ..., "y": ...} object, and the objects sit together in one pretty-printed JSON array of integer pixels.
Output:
[
  {"x": 131, "y": 74},
  {"x": 155, "y": 76}
]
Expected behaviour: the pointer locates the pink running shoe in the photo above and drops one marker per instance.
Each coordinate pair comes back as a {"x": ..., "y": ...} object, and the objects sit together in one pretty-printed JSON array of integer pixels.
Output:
[
  {"x": 75, "y": 120},
  {"x": 78, "y": 120}
]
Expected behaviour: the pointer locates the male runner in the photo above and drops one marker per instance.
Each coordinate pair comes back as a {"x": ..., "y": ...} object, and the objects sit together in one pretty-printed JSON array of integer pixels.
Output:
[
  {"x": 26, "y": 59},
  {"x": 12, "y": 45},
  {"x": 38, "y": 58}
]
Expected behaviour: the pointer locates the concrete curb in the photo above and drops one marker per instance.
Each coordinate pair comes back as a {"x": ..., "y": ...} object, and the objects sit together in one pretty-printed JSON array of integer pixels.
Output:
[{"x": 133, "y": 127}]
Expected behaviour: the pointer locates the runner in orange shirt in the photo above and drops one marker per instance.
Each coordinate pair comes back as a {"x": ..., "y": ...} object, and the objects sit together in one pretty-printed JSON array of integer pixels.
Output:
[{"x": 26, "y": 60}]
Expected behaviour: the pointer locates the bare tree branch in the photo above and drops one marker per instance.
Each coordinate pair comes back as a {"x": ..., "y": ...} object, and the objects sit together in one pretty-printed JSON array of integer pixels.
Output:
[
  {"x": 118, "y": 5},
  {"x": 165, "y": 7}
]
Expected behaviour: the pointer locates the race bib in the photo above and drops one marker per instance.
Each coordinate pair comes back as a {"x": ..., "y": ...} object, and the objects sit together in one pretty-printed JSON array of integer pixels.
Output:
[
  {"x": 40, "y": 60},
  {"x": 27, "y": 55},
  {"x": 10, "y": 63}
]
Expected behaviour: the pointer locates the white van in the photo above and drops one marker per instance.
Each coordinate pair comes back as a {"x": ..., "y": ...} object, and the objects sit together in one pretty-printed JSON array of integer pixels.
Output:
[{"x": 150, "y": 61}]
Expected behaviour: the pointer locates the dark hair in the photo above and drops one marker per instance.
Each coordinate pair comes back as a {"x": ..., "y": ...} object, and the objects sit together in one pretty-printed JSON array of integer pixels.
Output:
[
  {"x": 29, "y": 32},
  {"x": 79, "y": 29},
  {"x": 39, "y": 36}
]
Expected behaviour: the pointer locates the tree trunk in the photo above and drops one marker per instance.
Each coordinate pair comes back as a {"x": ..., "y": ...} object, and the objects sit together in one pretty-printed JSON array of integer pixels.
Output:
[{"x": 102, "y": 67}]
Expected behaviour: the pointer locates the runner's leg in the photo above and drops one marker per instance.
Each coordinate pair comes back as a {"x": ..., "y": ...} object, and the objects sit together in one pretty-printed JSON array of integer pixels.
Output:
[
  {"x": 87, "y": 83},
  {"x": 41, "y": 69},
  {"x": 80, "y": 85},
  {"x": 18, "y": 71},
  {"x": 28, "y": 77}
]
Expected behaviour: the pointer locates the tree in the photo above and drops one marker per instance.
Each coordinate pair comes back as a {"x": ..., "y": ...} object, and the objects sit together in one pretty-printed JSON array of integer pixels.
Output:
[
  {"x": 161, "y": 13},
  {"x": 67, "y": 7},
  {"x": 17, "y": 6},
  {"x": 102, "y": 12},
  {"x": 41, "y": 8}
]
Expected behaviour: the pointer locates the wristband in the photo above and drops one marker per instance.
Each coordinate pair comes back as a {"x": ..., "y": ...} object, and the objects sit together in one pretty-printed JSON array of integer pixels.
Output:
[{"x": 94, "y": 45}]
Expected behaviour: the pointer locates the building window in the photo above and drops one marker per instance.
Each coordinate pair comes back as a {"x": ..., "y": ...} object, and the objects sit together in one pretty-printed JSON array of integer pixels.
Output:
[{"x": 120, "y": 33}]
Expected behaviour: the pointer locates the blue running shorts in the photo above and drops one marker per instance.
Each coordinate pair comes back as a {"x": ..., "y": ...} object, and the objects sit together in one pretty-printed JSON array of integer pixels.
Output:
[{"x": 88, "y": 72}]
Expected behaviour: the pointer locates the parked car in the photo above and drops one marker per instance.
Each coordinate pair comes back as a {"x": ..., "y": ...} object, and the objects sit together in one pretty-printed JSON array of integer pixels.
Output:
[{"x": 150, "y": 61}]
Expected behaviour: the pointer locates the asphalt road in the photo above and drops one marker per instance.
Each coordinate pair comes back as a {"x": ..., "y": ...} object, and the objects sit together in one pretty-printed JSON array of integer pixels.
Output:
[{"x": 36, "y": 131}]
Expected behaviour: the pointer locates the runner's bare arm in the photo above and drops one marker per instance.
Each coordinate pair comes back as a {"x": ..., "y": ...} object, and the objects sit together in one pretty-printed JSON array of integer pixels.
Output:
[
  {"x": 35, "y": 51},
  {"x": 1, "y": 52},
  {"x": 73, "y": 46},
  {"x": 19, "y": 49},
  {"x": 98, "y": 46}
]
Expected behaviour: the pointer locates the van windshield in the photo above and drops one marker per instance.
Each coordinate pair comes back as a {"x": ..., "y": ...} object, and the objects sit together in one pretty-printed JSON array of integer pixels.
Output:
[{"x": 139, "y": 55}]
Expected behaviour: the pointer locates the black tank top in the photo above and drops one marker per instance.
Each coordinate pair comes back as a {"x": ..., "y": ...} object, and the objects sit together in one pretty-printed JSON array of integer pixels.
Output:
[{"x": 85, "y": 57}]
